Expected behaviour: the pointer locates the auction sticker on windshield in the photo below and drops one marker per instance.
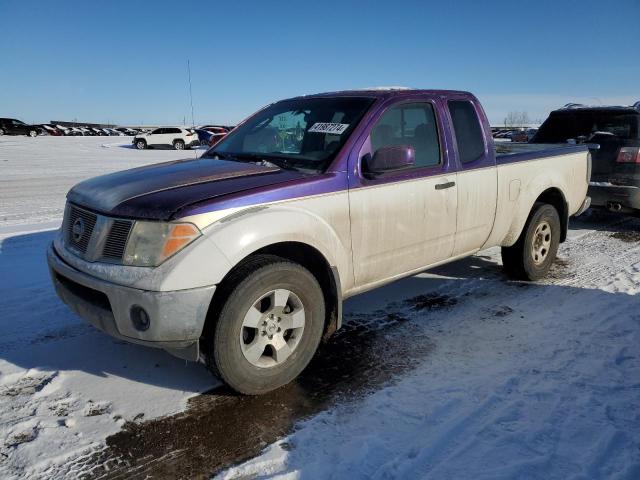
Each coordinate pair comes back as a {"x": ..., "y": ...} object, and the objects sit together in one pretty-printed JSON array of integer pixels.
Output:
[{"x": 334, "y": 128}]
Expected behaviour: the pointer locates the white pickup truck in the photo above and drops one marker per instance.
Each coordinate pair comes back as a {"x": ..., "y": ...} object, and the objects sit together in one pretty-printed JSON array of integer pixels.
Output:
[{"x": 242, "y": 258}]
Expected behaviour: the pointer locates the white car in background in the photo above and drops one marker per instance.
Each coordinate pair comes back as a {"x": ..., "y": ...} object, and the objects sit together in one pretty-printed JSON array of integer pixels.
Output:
[{"x": 176, "y": 137}]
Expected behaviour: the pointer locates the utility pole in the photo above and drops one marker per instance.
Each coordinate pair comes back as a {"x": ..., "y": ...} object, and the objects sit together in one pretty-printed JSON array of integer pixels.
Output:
[{"x": 193, "y": 122}]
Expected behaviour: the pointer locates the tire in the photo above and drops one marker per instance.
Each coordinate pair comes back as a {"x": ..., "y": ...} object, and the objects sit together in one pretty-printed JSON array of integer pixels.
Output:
[
  {"x": 1, "y": 132},
  {"x": 254, "y": 296},
  {"x": 178, "y": 145},
  {"x": 530, "y": 258},
  {"x": 141, "y": 144},
  {"x": 33, "y": 133}
]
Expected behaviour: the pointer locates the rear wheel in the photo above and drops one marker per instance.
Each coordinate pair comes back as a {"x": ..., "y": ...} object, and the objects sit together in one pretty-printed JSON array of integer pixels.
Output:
[
  {"x": 269, "y": 326},
  {"x": 530, "y": 258},
  {"x": 178, "y": 145},
  {"x": 141, "y": 144},
  {"x": 1, "y": 132}
]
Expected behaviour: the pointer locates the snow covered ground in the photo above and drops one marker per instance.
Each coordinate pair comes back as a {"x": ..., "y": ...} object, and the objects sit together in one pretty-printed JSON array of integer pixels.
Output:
[
  {"x": 38, "y": 172},
  {"x": 63, "y": 385},
  {"x": 455, "y": 373}
]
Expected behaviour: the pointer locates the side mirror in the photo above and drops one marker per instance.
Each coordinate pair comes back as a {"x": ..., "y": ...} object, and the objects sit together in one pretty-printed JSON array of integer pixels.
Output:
[{"x": 388, "y": 159}]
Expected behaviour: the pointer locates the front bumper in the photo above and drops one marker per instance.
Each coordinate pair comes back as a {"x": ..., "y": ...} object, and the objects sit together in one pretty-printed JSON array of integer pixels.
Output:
[
  {"x": 176, "y": 318},
  {"x": 608, "y": 195}
]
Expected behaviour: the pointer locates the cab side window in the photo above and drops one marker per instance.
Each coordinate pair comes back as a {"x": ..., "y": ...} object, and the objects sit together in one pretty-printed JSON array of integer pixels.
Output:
[
  {"x": 469, "y": 136},
  {"x": 411, "y": 124}
]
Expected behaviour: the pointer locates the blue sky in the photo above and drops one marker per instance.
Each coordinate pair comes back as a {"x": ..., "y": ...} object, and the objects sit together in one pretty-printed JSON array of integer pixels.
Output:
[{"x": 125, "y": 61}]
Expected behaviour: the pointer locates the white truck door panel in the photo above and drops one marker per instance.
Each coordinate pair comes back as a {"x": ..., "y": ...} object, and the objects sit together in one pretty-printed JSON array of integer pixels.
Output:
[
  {"x": 477, "y": 198},
  {"x": 399, "y": 227},
  {"x": 403, "y": 220}
]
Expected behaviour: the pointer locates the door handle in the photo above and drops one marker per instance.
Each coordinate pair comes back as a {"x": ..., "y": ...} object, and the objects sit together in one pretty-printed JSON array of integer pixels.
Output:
[{"x": 442, "y": 186}]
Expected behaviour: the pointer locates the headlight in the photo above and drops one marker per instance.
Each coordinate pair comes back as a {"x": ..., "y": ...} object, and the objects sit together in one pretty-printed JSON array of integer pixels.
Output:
[{"x": 151, "y": 243}]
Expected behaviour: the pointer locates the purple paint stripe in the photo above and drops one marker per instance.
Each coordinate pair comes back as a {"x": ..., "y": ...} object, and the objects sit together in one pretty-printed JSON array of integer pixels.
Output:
[{"x": 299, "y": 188}]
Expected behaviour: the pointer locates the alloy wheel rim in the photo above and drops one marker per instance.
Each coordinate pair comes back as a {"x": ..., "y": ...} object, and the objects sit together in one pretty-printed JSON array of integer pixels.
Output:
[
  {"x": 541, "y": 243},
  {"x": 272, "y": 328}
]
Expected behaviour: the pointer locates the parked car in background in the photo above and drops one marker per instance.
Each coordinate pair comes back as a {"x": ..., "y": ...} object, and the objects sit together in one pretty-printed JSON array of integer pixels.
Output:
[
  {"x": 519, "y": 136},
  {"x": 66, "y": 131},
  {"x": 96, "y": 131},
  {"x": 215, "y": 138},
  {"x": 615, "y": 178},
  {"x": 51, "y": 130},
  {"x": 243, "y": 259},
  {"x": 204, "y": 136},
  {"x": 11, "y": 126},
  {"x": 176, "y": 137},
  {"x": 127, "y": 131},
  {"x": 217, "y": 128}
]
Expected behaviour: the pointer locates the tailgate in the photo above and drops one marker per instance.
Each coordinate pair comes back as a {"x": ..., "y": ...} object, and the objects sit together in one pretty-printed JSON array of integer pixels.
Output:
[{"x": 617, "y": 161}]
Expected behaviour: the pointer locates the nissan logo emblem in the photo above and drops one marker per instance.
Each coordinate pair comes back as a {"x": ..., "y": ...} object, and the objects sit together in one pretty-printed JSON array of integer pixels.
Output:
[{"x": 77, "y": 229}]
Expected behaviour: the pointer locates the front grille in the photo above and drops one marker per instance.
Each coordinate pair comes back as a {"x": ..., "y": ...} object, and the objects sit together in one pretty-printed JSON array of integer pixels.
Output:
[
  {"x": 79, "y": 228},
  {"x": 95, "y": 237},
  {"x": 117, "y": 240}
]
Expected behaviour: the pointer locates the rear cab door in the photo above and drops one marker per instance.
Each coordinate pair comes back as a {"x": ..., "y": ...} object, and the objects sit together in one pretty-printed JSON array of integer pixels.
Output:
[
  {"x": 404, "y": 220},
  {"x": 477, "y": 174}
]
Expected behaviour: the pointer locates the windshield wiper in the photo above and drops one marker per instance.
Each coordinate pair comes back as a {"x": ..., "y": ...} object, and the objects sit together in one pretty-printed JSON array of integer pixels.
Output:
[
  {"x": 220, "y": 155},
  {"x": 261, "y": 159},
  {"x": 266, "y": 160}
]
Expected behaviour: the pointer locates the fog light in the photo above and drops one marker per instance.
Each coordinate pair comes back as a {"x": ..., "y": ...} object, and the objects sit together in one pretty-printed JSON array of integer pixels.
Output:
[{"x": 140, "y": 318}]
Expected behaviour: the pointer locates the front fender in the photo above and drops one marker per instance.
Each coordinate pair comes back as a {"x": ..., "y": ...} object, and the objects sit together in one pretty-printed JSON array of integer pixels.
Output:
[{"x": 246, "y": 232}]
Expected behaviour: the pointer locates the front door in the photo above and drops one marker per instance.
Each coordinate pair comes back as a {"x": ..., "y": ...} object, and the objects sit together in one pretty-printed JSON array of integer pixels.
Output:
[{"x": 404, "y": 220}]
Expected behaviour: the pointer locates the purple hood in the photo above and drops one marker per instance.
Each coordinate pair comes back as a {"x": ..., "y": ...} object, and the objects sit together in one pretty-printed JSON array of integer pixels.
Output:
[{"x": 160, "y": 191}]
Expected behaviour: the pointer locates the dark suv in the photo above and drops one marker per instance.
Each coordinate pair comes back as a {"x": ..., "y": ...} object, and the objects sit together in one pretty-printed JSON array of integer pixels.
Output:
[
  {"x": 11, "y": 126},
  {"x": 615, "y": 178}
]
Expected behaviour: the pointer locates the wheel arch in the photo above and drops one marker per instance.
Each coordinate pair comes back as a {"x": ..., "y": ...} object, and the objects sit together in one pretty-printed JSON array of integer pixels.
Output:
[
  {"x": 297, "y": 252},
  {"x": 554, "y": 197}
]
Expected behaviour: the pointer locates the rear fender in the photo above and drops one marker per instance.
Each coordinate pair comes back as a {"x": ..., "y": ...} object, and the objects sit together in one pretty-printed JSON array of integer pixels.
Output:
[{"x": 518, "y": 202}]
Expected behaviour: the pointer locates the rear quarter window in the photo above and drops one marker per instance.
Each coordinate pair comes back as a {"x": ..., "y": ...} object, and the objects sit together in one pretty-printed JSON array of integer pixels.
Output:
[{"x": 466, "y": 126}]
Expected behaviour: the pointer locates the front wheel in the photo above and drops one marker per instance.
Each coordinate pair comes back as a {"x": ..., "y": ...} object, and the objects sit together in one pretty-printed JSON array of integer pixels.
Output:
[
  {"x": 530, "y": 258},
  {"x": 141, "y": 144},
  {"x": 269, "y": 327}
]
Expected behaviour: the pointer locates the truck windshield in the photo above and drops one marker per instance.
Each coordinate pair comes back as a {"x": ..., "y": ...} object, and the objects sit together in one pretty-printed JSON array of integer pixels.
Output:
[
  {"x": 582, "y": 125},
  {"x": 302, "y": 133}
]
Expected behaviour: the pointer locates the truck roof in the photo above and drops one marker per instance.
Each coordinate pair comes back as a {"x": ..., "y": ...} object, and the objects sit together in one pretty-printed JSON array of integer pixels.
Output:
[
  {"x": 386, "y": 92},
  {"x": 572, "y": 107}
]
